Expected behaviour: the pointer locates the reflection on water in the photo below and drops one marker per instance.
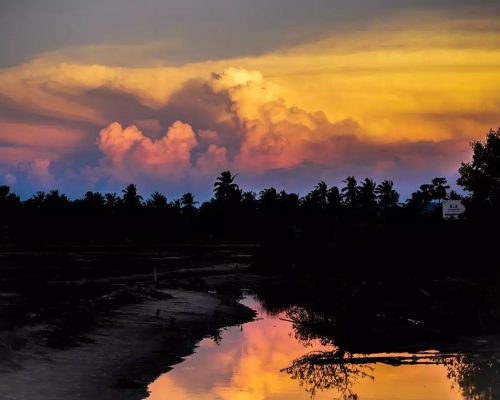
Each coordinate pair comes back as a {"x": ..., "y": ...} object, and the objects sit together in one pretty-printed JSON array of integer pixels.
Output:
[{"x": 265, "y": 360}]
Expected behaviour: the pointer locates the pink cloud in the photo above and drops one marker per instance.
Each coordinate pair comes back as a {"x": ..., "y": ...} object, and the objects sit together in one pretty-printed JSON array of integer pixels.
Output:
[
  {"x": 212, "y": 161},
  {"x": 128, "y": 152}
]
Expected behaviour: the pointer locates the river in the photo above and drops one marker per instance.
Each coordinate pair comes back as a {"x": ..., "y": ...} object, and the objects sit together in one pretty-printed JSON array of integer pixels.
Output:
[{"x": 250, "y": 361}]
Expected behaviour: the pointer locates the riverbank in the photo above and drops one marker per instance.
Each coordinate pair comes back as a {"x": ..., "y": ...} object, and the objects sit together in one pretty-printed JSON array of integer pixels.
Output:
[
  {"x": 100, "y": 322},
  {"x": 129, "y": 347}
]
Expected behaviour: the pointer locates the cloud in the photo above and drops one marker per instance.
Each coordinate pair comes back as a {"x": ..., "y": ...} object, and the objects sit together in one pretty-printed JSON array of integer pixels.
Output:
[
  {"x": 39, "y": 136},
  {"x": 391, "y": 76},
  {"x": 128, "y": 152},
  {"x": 211, "y": 162},
  {"x": 38, "y": 173},
  {"x": 402, "y": 99},
  {"x": 152, "y": 32},
  {"x": 274, "y": 137}
]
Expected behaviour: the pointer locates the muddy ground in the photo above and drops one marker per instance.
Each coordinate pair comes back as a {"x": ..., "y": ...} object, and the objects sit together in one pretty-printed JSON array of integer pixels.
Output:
[{"x": 103, "y": 322}]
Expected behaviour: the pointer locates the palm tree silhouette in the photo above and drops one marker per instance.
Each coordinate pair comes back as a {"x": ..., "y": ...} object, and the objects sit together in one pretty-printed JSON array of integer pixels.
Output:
[
  {"x": 94, "y": 200},
  {"x": 157, "y": 201},
  {"x": 111, "y": 200},
  {"x": 318, "y": 196},
  {"x": 386, "y": 195},
  {"x": 333, "y": 197},
  {"x": 187, "y": 200},
  {"x": 224, "y": 186},
  {"x": 350, "y": 191},
  {"x": 130, "y": 197},
  {"x": 38, "y": 199},
  {"x": 367, "y": 196},
  {"x": 268, "y": 201}
]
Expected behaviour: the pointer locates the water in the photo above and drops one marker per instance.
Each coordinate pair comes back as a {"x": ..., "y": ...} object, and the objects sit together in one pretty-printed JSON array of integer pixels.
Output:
[{"x": 248, "y": 363}]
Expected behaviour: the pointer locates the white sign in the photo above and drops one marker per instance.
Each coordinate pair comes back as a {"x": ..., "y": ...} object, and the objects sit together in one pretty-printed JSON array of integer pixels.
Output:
[{"x": 452, "y": 209}]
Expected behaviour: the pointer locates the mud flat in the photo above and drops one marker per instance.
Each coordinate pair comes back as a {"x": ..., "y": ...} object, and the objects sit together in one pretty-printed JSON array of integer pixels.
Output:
[{"x": 127, "y": 348}]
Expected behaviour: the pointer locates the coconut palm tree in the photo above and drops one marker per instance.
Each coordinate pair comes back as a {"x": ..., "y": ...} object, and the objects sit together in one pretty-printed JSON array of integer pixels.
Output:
[
  {"x": 386, "y": 195},
  {"x": 55, "y": 200},
  {"x": 157, "y": 201},
  {"x": 268, "y": 202},
  {"x": 37, "y": 200},
  {"x": 319, "y": 194},
  {"x": 93, "y": 201},
  {"x": 188, "y": 208},
  {"x": 224, "y": 186},
  {"x": 187, "y": 201},
  {"x": 367, "y": 195},
  {"x": 130, "y": 197},
  {"x": 111, "y": 200},
  {"x": 350, "y": 191}
]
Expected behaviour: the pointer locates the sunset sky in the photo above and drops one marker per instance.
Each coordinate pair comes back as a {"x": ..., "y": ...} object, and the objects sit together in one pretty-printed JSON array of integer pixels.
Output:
[{"x": 97, "y": 94}]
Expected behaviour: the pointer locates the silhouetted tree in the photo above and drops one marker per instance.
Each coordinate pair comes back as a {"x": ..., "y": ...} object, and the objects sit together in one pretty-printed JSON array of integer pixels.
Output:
[
  {"x": 10, "y": 203},
  {"x": 315, "y": 202},
  {"x": 56, "y": 201},
  {"x": 367, "y": 196},
  {"x": 350, "y": 191},
  {"x": 387, "y": 197},
  {"x": 175, "y": 206},
  {"x": 439, "y": 189},
  {"x": 130, "y": 197},
  {"x": 289, "y": 204},
  {"x": 225, "y": 189},
  {"x": 111, "y": 201},
  {"x": 481, "y": 176},
  {"x": 4, "y": 192},
  {"x": 334, "y": 198},
  {"x": 268, "y": 202},
  {"x": 187, "y": 201},
  {"x": 427, "y": 190},
  {"x": 157, "y": 201},
  {"x": 249, "y": 201},
  {"x": 93, "y": 201}
]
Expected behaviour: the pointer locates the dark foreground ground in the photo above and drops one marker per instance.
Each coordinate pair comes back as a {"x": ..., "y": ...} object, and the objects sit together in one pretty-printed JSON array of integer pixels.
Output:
[{"x": 102, "y": 322}]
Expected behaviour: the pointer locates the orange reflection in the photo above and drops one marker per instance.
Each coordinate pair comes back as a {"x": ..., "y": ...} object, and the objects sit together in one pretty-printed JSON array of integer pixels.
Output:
[{"x": 247, "y": 365}]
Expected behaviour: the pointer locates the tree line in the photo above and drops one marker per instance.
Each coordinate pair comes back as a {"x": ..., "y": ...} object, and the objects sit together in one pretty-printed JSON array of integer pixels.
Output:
[
  {"x": 327, "y": 217},
  {"x": 230, "y": 206}
]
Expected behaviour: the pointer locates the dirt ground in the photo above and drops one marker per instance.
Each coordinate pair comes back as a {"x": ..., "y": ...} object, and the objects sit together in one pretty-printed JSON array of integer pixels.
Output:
[
  {"x": 122, "y": 331},
  {"x": 125, "y": 353}
]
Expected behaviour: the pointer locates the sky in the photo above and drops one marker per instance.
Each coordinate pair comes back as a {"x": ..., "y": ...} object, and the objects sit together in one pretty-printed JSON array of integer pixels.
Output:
[{"x": 166, "y": 94}]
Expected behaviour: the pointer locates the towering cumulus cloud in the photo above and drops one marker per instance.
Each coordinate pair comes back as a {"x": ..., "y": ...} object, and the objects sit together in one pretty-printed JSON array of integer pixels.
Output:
[
  {"x": 271, "y": 136},
  {"x": 128, "y": 153}
]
